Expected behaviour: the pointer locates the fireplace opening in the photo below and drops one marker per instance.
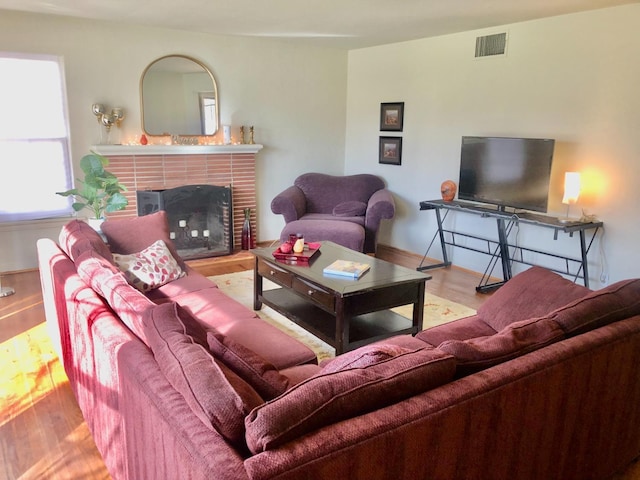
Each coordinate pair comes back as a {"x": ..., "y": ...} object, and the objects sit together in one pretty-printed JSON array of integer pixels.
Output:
[{"x": 200, "y": 218}]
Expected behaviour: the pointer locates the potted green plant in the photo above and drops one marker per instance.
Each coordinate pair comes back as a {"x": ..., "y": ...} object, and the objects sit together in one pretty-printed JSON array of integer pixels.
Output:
[{"x": 100, "y": 191}]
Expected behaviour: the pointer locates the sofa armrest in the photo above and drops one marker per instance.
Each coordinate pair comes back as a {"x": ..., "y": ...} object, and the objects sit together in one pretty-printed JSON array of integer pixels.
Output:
[
  {"x": 380, "y": 206},
  {"x": 290, "y": 203},
  {"x": 163, "y": 437}
]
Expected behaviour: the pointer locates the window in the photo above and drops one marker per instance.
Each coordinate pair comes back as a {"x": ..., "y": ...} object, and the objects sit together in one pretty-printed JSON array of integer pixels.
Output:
[
  {"x": 34, "y": 138},
  {"x": 208, "y": 113}
]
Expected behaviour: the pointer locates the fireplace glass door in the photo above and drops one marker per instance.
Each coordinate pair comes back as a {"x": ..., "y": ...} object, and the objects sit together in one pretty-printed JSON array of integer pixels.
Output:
[{"x": 200, "y": 218}]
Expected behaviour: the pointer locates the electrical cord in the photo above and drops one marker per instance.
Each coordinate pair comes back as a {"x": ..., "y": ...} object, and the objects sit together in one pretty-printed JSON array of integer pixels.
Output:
[
  {"x": 604, "y": 265},
  {"x": 588, "y": 218}
]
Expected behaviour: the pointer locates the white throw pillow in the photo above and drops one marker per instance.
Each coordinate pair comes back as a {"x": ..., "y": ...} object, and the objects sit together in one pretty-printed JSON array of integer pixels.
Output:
[{"x": 151, "y": 268}]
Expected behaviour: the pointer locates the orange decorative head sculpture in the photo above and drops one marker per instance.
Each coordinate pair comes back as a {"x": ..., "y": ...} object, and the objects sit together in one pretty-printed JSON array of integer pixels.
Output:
[{"x": 448, "y": 190}]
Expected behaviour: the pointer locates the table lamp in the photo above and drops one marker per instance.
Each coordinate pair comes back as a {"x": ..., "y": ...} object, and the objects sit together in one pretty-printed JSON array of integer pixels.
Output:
[{"x": 571, "y": 192}]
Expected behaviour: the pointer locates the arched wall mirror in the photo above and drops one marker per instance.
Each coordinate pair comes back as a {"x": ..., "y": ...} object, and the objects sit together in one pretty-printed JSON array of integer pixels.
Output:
[{"x": 179, "y": 96}]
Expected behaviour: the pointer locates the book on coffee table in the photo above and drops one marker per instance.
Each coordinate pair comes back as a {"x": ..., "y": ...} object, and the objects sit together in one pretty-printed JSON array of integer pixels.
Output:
[{"x": 346, "y": 268}]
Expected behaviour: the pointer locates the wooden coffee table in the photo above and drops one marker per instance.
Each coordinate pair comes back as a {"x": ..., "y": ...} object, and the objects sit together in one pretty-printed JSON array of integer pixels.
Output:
[{"x": 346, "y": 313}]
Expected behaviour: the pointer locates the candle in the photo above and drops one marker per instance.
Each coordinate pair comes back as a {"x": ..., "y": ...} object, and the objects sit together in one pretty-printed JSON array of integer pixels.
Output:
[
  {"x": 172, "y": 235},
  {"x": 194, "y": 233},
  {"x": 182, "y": 223},
  {"x": 205, "y": 233}
]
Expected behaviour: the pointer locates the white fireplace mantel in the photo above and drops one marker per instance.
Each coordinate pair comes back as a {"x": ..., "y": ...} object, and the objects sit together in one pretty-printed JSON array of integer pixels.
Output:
[{"x": 137, "y": 150}]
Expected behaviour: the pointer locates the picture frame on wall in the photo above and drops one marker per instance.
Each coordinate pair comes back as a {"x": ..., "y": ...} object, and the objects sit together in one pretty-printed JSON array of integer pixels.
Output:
[
  {"x": 391, "y": 116},
  {"x": 390, "y": 150}
]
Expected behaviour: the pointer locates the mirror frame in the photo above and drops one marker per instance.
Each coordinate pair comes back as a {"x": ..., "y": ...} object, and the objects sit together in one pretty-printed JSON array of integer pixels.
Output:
[{"x": 215, "y": 92}]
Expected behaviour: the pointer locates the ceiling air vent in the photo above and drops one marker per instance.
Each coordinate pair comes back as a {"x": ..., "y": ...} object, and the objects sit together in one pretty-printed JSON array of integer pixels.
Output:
[{"x": 491, "y": 45}]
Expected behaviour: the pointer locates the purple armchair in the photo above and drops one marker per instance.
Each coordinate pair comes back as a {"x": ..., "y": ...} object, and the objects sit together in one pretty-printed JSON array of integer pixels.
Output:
[{"x": 346, "y": 210}]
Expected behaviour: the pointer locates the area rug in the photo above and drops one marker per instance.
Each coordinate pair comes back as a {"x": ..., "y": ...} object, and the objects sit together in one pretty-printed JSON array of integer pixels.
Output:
[{"x": 239, "y": 286}]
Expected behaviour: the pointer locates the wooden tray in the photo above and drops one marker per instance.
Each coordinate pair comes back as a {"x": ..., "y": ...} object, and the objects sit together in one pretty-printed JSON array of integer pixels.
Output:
[{"x": 297, "y": 258}]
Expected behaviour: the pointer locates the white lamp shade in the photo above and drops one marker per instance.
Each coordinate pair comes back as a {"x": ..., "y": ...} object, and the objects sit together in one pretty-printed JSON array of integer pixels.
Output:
[{"x": 571, "y": 188}]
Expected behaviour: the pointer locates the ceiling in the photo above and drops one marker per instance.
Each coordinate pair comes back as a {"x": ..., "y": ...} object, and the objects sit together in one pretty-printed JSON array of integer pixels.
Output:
[{"x": 345, "y": 24}]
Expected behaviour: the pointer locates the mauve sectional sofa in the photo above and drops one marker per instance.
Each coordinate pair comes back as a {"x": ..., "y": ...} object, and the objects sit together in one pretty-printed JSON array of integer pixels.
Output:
[{"x": 178, "y": 381}]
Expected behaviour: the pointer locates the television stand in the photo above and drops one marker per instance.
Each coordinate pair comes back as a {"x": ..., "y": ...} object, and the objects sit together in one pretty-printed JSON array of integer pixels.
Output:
[{"x": 500, "y": 249}]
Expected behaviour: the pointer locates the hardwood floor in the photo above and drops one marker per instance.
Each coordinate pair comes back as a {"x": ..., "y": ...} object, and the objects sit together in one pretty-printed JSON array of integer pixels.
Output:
[{"x": 42, "y": 432}]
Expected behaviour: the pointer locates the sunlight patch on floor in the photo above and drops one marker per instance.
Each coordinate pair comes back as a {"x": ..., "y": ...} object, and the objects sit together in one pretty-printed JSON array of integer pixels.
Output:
[{"x": 30, "y": 372}]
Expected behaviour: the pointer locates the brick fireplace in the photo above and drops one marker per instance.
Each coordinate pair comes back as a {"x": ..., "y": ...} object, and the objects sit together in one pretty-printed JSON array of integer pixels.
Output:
[{"x": 162, "y": 167}]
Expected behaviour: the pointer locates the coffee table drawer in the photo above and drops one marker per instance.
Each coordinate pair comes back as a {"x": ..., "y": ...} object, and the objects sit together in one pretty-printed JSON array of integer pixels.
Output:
[
  {"x": 314, "y": 293},
  {"x": 274, "y": 273}
]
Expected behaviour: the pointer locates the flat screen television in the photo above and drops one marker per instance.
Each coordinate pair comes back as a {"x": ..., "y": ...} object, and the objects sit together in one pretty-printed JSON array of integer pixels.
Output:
[{"x": 507, "y": 172}]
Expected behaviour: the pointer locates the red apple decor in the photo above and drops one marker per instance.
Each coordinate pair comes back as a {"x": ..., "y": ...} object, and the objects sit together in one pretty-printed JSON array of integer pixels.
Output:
[{"x": 286, "y": 247}]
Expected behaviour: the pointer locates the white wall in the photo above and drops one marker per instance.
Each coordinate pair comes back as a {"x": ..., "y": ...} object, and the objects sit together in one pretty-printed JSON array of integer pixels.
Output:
[
  {"x": 573, "y": 78},
  {"x": 293, "y": 95}
]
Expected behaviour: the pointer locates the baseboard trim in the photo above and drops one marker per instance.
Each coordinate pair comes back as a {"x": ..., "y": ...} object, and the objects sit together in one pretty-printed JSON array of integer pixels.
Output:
[
  {"x": 413, "y": 260},
  {"x": 387, "y": 251}
]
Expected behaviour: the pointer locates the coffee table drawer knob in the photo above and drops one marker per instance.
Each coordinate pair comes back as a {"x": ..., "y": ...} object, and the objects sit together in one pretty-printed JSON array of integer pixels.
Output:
[
  {"x": 314, "y": 294},
  {"x": 273, "y": 273}
]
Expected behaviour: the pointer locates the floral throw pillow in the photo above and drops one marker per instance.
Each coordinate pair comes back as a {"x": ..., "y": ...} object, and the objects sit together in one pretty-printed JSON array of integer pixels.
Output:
[{"x": 151, "y": 268}]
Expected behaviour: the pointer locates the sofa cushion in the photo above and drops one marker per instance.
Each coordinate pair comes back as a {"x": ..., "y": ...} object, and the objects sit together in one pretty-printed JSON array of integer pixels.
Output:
[
  {"x": 602, "y": 307},
  {"x": 404, "y": 340},
  {"x": 96, "y": 270},
  {"x": 323, "y": 192},
  {"x": 150, "y": 268},
  {"x": 248, "y": 365},
  {"x": 328, "y": 398},
  {"x": 514, "y": 340},
  {"x": 213, "y": 308},
  {"x": 345, "y": 233},
  {"x": 352, "y": 208},
  {"x": 532, "y": 293},
  {"x": 331, "y": 219},
  {"x": 109, "y": 282},
  {"x": 460, "y": 329},
  {"x": 363, "y": 357},
  {"x": 298, "y": 373},
  {"x": 190, "y": 325},
  {"x": 76, "y": 237},
  {"x": 131, "y": 235},
  {"x": 190, "y": 283},
  {"x": 215, "y": 394}
]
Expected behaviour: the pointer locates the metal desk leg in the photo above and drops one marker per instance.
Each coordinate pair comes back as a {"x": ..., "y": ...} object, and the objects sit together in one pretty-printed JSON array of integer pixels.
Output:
[
  {"x": 445, "y": 259},
  {"x": 504, "y": 250},
  {"x": 584, "y": 251}
]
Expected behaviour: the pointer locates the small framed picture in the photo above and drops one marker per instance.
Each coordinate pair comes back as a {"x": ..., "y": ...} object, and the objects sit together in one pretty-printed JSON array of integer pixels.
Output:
[
  {"x": 391, "y": 116},
  {"x": 390, "y": 150}
]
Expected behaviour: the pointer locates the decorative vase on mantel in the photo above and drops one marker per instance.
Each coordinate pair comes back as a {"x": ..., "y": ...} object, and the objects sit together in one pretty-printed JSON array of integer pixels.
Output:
[{"x": 247, "y": 234}]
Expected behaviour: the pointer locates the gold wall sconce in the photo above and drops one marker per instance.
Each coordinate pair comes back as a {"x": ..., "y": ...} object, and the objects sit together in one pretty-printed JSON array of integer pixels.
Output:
[{"x": 107, "y": 120}]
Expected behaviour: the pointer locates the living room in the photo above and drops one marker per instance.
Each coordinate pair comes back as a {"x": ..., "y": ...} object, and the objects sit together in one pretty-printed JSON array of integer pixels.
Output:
[
  {"x": 571, "y": 78},
  {"x": 567, "y": 77}
]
